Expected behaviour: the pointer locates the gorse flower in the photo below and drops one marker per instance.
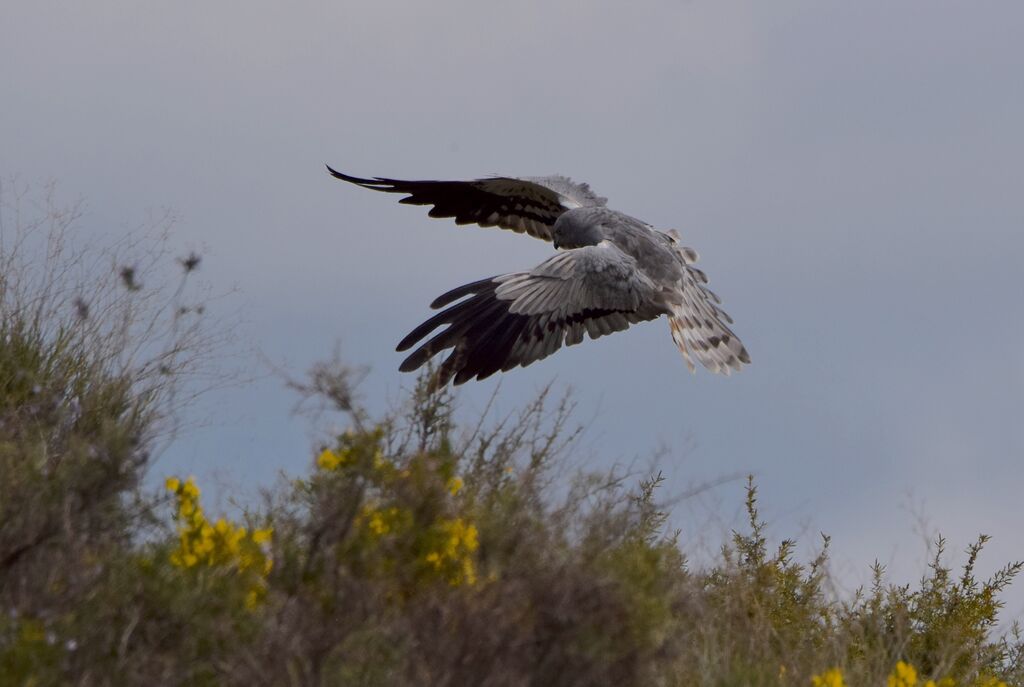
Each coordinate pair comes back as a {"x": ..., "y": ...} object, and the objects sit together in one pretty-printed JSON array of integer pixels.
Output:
[
  {"x": 329, "y": 460},
  {"x": 456, "y": 542},
  {"x": 380, "y": 522},
  {"x": 395, "y": 527},
  {"x": 830, "y": 678},
  {"x": 354, "y": 450},
  {"x": 446, "y": 546},
  {"x": 903, "y": 675},
  {"x": 221, "y": 544}
]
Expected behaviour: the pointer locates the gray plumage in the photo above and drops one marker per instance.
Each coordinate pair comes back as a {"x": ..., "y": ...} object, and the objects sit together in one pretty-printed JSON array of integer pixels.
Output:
[{"x": 611, "y": 271}]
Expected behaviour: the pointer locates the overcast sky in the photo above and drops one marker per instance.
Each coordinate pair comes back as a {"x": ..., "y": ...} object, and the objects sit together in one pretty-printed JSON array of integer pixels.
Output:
[{"x": 851, "y": 173}]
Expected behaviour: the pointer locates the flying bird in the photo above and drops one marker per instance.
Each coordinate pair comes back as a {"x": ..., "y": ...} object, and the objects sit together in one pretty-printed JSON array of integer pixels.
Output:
[{"x": 610, "y": 270}]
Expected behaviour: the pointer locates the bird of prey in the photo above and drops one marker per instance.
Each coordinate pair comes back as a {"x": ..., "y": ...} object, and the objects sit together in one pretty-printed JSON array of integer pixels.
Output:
[{"x": 611, "y": 270}]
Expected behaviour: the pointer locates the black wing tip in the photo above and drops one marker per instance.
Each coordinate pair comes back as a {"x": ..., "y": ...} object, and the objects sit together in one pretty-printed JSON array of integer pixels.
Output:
[
  {"x": 480, "y": 329},
  {"x": 410, "y": 364},
  {"x": 410, "y": 339},
  {"x": 376, "y": 183},
  {"x": 341, "y": 175}
]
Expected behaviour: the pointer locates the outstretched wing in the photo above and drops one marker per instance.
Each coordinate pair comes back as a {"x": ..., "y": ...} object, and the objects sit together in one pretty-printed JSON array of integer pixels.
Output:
[
  {"x": 515, "y": 319},
  {"x": 697, "y": 322},
  {"x": 529, "y": 204}
]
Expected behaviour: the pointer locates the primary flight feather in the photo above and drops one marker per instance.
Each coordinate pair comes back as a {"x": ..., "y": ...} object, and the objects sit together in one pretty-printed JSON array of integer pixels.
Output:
[{"x": 611, "y": 270}]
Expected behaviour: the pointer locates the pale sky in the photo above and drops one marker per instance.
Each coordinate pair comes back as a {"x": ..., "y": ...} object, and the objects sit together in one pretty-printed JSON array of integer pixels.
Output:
[{"x": 851, "y": 174}]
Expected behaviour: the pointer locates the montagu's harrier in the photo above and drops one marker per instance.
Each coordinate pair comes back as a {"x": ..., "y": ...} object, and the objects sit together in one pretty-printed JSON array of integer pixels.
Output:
[{"x": 611, "y": 271}]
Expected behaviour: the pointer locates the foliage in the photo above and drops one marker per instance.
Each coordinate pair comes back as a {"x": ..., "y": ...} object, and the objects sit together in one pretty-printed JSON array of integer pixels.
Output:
[
  {"x": 407, "y": 556},
  {"x": 415, "y": 550}
]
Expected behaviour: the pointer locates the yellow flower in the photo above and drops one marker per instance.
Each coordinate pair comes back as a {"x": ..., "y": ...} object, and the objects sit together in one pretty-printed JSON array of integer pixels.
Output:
[
  {"x": 470, "y": 538},
  {"x": 328, "y": 460},
  {"x": 461, "y": 534},
  {"x": 455, "y": 558},
  {"x": 377, "y": 524},
  {"x": 221, "y": 543},
  {"x": 172, "y": 484},
  {"x": 903, "y": 675},
  {"x": 454, "y": 485},
  {"x": 189, "y": 489},
  {"x": 830, "y": 678},
  {"x": 468, "y": 571},
  {"x": 254, "y": 597}
]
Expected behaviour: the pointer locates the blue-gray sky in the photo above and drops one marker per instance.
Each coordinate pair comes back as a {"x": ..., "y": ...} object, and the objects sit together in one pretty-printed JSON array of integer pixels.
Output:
[{"x": 851, "y": 174}]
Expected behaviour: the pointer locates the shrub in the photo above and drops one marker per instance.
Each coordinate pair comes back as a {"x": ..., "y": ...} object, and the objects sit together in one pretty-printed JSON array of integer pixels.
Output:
[
  {"x": 93, "y": 364},
  {"x": 416, "y": 549}
]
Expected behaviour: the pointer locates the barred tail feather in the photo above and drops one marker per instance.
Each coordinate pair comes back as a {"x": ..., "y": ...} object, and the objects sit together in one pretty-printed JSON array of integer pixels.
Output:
[
  {"x": 712, "y": 343},
  {"x": 698, "y": 324},
  {"x": 675, "y": 324}
]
